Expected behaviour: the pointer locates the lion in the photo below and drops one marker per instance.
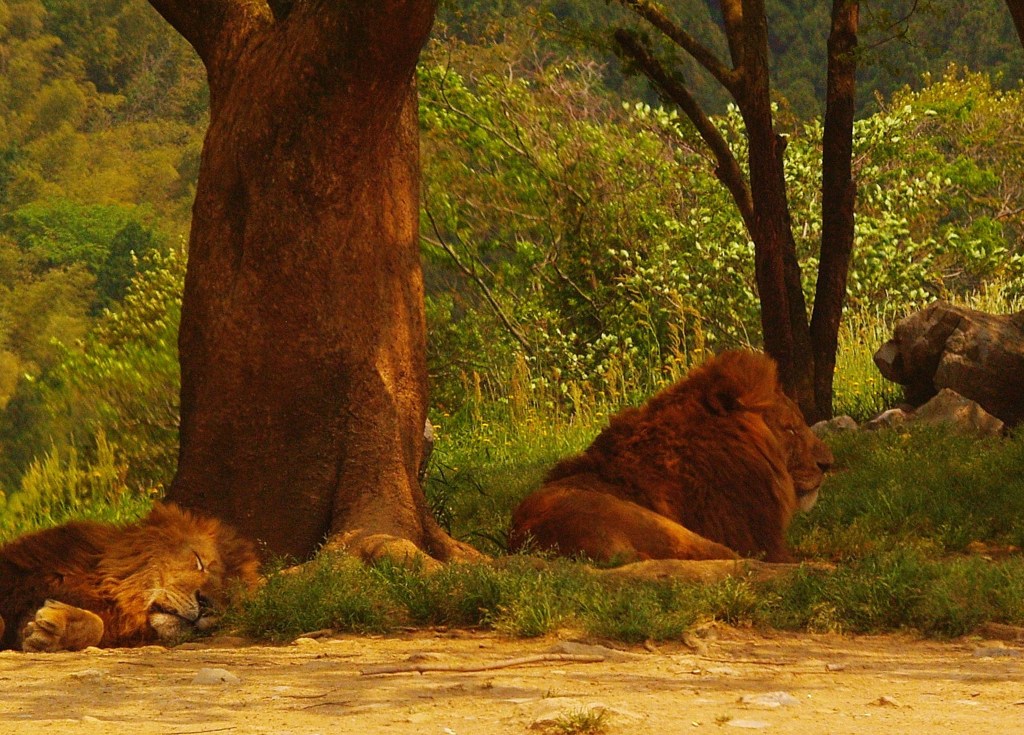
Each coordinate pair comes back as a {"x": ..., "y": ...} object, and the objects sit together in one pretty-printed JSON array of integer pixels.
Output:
[
  {"x": 712, "y": 467},
  {"x": 92, "y": 584}
]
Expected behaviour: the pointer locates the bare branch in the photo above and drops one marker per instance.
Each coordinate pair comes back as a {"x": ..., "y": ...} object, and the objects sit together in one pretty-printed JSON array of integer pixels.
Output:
[
  {"x": 540, "y": 658},
  {"x": 732, "y": 14},
  {"x": 472, "y": 274},
  {"x": 728, "y": 169},
  {"x": 728, "y": 78}
]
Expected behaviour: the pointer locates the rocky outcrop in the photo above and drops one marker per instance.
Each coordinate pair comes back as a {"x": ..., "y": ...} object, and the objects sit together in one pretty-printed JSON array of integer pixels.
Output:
[{"x": 977, "y": 355}]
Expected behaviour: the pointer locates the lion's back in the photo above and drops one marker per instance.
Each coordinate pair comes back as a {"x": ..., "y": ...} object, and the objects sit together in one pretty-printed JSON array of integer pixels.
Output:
[
  {"x": 703, "y": 453},
  {"x": 46, "y": 564}
]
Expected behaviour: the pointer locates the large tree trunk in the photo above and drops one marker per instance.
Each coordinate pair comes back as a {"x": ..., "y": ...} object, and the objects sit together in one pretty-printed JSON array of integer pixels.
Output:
[{"x": 302, "y": 331}]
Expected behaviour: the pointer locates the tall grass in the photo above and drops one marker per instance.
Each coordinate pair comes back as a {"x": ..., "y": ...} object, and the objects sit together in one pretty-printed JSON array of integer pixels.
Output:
[
  {"x": 62, "y": 485},
  {"x": 859, "y": 390}
]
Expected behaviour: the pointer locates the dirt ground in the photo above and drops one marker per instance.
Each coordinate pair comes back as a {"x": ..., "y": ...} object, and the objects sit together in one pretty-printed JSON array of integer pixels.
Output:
[{"x": 724, "y": 680}]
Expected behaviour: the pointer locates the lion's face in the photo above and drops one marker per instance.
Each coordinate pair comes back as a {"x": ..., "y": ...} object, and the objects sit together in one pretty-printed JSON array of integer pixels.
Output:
[
  {"x": 185, "y": 588},
  {"x": 807, "y": 457},
  {"x": 174, "y": 570}
]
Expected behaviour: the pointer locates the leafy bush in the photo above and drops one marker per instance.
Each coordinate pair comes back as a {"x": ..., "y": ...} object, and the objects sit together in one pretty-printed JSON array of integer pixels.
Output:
[{"x": 122, "y": 382}]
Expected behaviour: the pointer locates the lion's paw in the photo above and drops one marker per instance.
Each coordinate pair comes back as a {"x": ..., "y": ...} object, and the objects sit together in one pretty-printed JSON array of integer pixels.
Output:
[{"x": 61, "y": 627}]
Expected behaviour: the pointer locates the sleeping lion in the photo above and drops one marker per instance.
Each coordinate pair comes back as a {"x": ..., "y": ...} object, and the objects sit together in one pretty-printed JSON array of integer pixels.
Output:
[
  {"x": 712, "y": 467},
  {"x": 93, "y": 584}
]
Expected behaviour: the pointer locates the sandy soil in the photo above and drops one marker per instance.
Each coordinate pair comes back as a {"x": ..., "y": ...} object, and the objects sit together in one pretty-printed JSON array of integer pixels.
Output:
[{"x": 723, "y": 681}]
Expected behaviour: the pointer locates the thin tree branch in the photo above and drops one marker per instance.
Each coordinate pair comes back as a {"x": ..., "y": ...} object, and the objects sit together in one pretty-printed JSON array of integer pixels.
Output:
[
  {"x": 420, "y": 668},
  {"x": 472, "y": 274},
  {"x": 727, "y": 77},
  {"x": 732, "y": 14},
  {"x": 728, "y": 169}
]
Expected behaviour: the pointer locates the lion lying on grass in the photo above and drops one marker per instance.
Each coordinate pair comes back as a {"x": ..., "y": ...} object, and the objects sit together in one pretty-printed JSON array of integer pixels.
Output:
[
  {"x": 712, "y": 467},
  {"x": 91, "y": 584}
]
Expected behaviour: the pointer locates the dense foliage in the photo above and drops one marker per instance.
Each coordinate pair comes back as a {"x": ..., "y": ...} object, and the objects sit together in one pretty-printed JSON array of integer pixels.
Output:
[{"x": 580, "y": 241}]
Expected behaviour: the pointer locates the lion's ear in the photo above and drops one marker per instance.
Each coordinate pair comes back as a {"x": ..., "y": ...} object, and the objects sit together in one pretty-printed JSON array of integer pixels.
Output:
[{"x": 721, "y": 402}]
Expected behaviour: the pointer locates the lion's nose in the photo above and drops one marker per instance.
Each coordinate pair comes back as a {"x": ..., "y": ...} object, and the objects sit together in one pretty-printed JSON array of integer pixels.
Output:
[
  {"x": 206, "y": 605},
  {"x": 825, "y": 463}
]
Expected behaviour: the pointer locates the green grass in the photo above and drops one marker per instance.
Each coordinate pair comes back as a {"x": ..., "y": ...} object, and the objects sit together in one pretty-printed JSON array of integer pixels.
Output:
[
  {"x": 901, "y": 517},
  {"x": 859, "y": 390},
  {"x": 61, "y": 486},
  {"x": 892, "y": 589},
  {"x": 928, "y": 488},
  {"x": 580, "y": 722},
  {"x": 482, "y": 467}
]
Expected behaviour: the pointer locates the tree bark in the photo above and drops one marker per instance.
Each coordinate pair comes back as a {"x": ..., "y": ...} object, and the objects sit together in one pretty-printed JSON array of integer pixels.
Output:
[
  {"x": 838, "y": 193},
  {"x": 302, "y": 335},
  {"x": 776, "y": 269},
  {"x": 1017, "y": 13}
]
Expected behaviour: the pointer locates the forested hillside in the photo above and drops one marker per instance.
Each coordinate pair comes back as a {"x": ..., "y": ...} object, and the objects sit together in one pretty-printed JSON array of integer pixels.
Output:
[{"x": 575, "y": 237}]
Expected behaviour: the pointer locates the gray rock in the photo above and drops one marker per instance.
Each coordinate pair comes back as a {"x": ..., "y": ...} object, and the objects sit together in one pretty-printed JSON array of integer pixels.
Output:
[
  {"x": 428, "y": 449},
  {"x": 834, "y": 426},
  {"x": 749, "y": 724},
  {"x": 770, "y": 700},
  {"x": 887, "y": 420}
]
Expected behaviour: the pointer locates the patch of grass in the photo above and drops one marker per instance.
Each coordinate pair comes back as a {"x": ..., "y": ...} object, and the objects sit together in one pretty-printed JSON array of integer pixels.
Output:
[
  {"x": 582, "y": 721},
  {"x": 892, "y": 589},
  {"x": 899, "y": 589},
  {"x": 63, "y": 485},
  {"x": 332, "y": 591},
  {"x": 636, "y": 612},
  {"x": 484, "y": 465},
  {"x": 924, "y": 487},
  {"x": 859, "y": 389}
]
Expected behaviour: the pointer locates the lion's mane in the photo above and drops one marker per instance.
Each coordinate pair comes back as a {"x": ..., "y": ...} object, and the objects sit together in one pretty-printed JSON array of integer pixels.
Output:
[
  {"x": 137, "y": 578},
  {"x": 713, "y": 466}
]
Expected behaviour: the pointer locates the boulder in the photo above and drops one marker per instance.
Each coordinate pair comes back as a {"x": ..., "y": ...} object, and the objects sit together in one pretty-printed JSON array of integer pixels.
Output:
[
  {"x": 978, "y": 355},
  {"x": 949, "y": 407}
]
